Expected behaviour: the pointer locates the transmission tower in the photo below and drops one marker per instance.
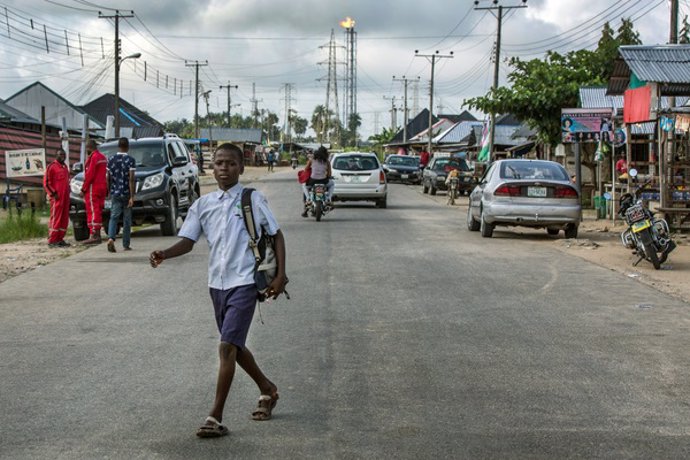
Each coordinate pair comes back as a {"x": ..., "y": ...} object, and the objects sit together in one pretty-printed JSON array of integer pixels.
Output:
[
  {"x": 351, "y": 68},
  {"x": 287, "y": 126},
  {"x": 331, "y": 91}
]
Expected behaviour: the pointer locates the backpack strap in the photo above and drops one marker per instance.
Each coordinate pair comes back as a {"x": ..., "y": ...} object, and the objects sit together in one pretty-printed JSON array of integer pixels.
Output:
[{"x": 250, "y": 224}]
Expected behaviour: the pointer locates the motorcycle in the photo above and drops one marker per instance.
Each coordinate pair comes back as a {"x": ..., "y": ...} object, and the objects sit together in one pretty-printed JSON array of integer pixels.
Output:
[
  {"x": 453, "y": 183},
  {"x": 317, "y": 205},
  {"x": 648, "y": 236},
  {"x": 294, "y": 163}
]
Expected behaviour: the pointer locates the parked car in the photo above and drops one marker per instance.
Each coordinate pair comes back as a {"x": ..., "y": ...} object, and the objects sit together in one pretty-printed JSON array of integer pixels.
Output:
[
  {"x": 434, "y": 175},
  {"x": 358, "y": 176},
  {"x": 403, "y": 168},
  {"x": 167, "y": 183},
  {"x": 528, "y": 193}
]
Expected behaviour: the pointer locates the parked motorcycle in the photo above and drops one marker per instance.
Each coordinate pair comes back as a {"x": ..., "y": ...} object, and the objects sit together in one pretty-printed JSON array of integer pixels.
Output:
[
  {"x": 648, "y": 236},
  {"x": 317, "y": 206}
]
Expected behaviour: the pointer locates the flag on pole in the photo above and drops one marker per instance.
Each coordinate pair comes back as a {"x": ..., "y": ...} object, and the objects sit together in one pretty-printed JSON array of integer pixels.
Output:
[{"x": 484, "y": 155}]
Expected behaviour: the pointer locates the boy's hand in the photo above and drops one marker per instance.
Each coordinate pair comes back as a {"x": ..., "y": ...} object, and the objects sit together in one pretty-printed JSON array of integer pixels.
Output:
[
  {"x": 277, "y": 287},
  {"x": 156, "y": 258}
]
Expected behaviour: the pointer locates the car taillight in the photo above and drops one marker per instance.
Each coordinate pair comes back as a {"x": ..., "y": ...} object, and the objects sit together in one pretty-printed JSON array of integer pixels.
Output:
[
  {"x": 564, "y": 192},
  {"x": 382, "y": 177},
  {"x": 508, "y": 190}
]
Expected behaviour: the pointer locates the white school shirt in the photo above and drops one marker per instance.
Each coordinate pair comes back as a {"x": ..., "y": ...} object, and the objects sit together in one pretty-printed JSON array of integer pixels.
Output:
[{"x": 219, "y": 216}]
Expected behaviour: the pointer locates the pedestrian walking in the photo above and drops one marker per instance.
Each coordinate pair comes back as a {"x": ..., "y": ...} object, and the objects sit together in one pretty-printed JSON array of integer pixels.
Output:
[
  {"x": 219, "y": 216},
  {"x": 270, "y": 158},
  {"x": 121, "y": 169},
  {"x": 94, "y": 190},
  {"x": 56, "y": 185}
]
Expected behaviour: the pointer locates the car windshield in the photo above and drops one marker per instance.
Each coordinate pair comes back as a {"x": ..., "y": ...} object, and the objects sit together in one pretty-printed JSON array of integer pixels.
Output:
[
  {"x": 447, "y": 164},
  {"x": 146, "y": 155},
  {"x": 402, "y": 161},
  {"x": 532, "y": 170},
  {"x": 356, "y": 163}
]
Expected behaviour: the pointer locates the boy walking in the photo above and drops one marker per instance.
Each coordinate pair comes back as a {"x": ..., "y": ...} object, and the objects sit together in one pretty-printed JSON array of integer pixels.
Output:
[
  {"x": 121, "y": 169},
  {"x": 219, "y": 216}
]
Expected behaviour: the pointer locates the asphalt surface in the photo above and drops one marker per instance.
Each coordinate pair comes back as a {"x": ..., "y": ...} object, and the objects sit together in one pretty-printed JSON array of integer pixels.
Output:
[{"x": 406, "y": 337}]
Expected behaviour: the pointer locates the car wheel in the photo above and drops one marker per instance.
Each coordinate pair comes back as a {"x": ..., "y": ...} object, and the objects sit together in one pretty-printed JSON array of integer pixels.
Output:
[
  {"x": 472, "y": 224},
  {"x": 571, "y": 231},
  {"x": 425, "y": 188},
  {"x": 80, "y": 233},
  {"x": 432, "y": 189},
  {"x": 486, "y": 228},
  {"x": 382, "y": 203},
  {"x": 552, "y": 231},
  {"x": 169, "y": 225}
]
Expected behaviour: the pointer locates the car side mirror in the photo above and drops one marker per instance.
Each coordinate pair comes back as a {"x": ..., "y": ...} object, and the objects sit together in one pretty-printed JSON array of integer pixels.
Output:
[{"x": 77, "y": 168}]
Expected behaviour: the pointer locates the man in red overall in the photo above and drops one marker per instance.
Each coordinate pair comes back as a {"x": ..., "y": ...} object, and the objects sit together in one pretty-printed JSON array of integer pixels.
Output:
[
  {"x": 94, "y": 191},
  {"x": 56, "y": 185}
]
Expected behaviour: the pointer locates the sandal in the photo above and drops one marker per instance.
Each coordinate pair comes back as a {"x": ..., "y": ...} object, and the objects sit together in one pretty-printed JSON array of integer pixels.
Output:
[
  {"x": 212, "y": 429},
  {"x": 265, "y": 407}
]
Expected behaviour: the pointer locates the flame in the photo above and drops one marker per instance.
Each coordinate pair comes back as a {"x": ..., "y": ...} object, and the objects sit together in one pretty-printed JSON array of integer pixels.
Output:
[{"x": 348, "y": 23}]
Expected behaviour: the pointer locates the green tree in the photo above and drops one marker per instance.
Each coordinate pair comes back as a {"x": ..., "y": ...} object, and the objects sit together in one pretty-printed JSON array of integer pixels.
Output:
[
  {"x": 350, "y": 135},
  {"x": 381, "y": 139},
  {"x": 299, "y": 125},
  {"x": 540, "y": 88},
  {"x": 684, "y": 34}
]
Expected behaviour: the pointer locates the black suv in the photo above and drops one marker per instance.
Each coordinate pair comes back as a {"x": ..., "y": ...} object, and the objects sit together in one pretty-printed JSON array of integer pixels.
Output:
[
  {"x": 167, "y": 183},
  {"x": 435, "y": 173}
]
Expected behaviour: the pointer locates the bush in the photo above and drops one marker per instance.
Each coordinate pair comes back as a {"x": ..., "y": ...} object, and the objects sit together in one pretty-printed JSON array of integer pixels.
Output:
[{"x": 21, "y": 227}]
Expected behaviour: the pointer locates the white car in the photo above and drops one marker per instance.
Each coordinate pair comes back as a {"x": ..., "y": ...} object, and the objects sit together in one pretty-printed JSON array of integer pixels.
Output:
[{"x": 358, "y": 176}]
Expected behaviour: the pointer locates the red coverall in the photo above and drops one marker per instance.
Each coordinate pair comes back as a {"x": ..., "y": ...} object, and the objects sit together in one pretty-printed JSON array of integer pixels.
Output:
[
  {"x": 56, "y": 180},
  {"x": 95, "y": 189}
]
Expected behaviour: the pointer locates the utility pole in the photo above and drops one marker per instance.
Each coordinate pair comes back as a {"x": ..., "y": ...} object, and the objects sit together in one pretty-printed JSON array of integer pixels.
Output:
[
  {"x": 394, "y": 113},
  {"x": 228, "y": 87},
  {"x": 406, "y": 112},
  {"x": 287, "y": 125},
  {"x": 196, "y": 64},
  {"x": 117, "y": 17},
  {"x": 433, "y": 58},
  {"x": 673, "y": 38},
  {"x": 497, "y": 61},
  {"x": 255, "y": 106}
]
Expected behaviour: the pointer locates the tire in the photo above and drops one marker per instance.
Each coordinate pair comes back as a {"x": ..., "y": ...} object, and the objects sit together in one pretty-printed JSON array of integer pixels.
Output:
[
  {"x": 485, "y": 228},
  {"x": 382, "y": 203},
  {"x": 192, "y": 198},
  {"x": 552, "y": 231},
  {"x": 80, "y": 233},
  {"x": 472, "y": 224},
  {"x": 648, "y": 248},
  {"x": 169, "y": 225},
  {"x": 425, "y": 188},
  {"x": 571, "y": 232},
  {"x": 432, "y": 189},
  {"x": 318, "y": 210}
]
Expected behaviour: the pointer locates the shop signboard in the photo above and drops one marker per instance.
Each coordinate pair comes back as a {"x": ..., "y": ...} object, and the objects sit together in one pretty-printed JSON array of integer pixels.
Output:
[
  {"x": 23, "y": 163},
  {"x": 586, "y": 125}
]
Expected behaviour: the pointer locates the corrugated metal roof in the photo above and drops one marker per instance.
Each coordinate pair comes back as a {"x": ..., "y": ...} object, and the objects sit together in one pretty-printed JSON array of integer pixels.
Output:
[
  {"x": 14, "y": 115},
  {"x": 594, "y": 97},
  {"x": 458, "y": 133},
  {"x": 233, "y": 134},
  {"x": 660, "y": 63}
]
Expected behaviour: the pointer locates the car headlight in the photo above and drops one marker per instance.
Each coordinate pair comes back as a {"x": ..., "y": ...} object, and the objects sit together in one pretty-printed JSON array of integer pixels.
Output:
[
  {"x": 152, "y": 181},
  {"x": 75, "y": 186}
]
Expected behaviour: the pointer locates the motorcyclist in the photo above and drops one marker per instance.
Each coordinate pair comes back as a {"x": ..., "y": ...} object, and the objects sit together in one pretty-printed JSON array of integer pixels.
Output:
[
  {"x": 320, "y": 174},
  {"x": 294, "y": 160}
]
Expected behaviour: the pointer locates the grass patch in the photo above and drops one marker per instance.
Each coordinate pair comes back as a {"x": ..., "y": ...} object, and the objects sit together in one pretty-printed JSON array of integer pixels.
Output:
[{"x": 15, "y": 227}]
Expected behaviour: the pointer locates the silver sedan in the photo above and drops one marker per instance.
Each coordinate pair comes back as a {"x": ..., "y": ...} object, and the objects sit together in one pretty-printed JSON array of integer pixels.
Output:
[{"x": 527, "y": 193}]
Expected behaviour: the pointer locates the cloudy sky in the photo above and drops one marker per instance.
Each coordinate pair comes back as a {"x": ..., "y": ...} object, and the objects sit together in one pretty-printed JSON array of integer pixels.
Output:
[{"x": 270, "y": 43}]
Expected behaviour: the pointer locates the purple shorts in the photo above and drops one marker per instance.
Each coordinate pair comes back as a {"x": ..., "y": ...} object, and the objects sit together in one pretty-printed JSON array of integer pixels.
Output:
[{"x": 234, "y": 312}]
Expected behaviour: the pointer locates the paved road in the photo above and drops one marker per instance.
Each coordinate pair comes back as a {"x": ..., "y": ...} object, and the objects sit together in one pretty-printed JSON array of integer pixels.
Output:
[{"x": 406, "y": 337}]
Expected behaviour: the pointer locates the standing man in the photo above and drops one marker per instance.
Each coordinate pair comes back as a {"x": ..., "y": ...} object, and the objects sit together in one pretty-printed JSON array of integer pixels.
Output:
[
  {"x": 94, "y": 190},
  {"x": 56, "y": 185},
  {"x": 424, "y": 159},
  {"x": 121, "y": 169},
  {"x": 270, "y": 158},
  {"x": 219, "y": 216}
]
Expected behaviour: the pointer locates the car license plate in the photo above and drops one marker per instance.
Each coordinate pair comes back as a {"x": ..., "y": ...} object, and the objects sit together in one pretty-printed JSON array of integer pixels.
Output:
[
  {"x": 639, "y": 226},
  {"x": 539, "y": 192},
  {"x": 352, "y": 179},
  {"x": 404, "y": 176},
  {"x": 107, "y": 204}
]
